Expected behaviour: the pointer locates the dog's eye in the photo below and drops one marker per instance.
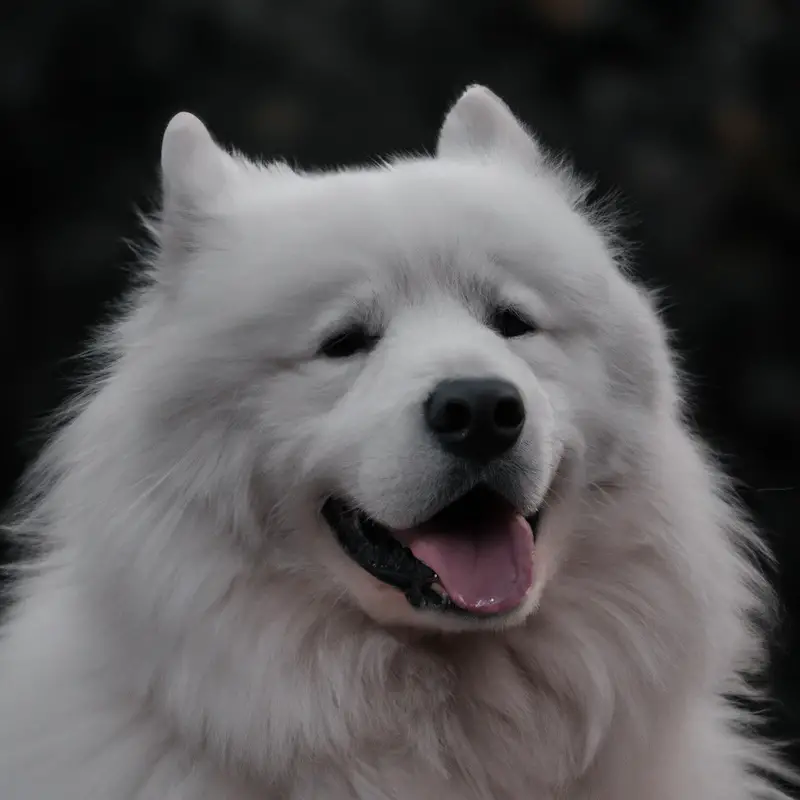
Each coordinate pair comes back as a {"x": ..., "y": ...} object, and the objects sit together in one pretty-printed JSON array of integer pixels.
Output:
[
  {"x": 510, "y": 324},
  {"x": 348, "y": 343}
]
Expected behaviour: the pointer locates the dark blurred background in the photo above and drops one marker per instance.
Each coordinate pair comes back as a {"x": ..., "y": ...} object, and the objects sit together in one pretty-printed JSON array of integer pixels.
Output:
[{"x": 690, "y": 107}]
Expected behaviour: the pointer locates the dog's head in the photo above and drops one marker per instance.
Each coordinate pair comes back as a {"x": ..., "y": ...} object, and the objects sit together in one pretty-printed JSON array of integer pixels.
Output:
[{"x": 392, "y": 384}]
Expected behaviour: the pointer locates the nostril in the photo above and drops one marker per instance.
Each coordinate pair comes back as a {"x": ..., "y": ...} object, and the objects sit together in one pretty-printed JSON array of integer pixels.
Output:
[
  {"x": 509, "y": 414},
  {"x": 454, "y": 416}
]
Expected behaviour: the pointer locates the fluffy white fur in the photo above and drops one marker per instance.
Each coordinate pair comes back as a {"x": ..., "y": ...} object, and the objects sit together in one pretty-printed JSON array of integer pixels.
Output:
[{"x": 193, "y": 630}]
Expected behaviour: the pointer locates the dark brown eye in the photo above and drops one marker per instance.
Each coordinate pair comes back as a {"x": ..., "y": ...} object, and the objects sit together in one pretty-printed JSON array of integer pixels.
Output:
[
  {"x": 349, "y": 343},
  {"x": 510, "y": 324}
]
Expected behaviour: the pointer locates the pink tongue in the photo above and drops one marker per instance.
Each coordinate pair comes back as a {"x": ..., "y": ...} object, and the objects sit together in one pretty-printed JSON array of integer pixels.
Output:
[{"x": 486, "y": 568}]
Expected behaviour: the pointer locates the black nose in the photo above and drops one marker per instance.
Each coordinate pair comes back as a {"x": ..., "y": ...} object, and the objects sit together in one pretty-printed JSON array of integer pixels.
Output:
[{"x": 476, "y": 418}]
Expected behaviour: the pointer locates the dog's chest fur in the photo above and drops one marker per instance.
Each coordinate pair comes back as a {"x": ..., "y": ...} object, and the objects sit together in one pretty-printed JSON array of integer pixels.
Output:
[{"x": 470, "y": 723}]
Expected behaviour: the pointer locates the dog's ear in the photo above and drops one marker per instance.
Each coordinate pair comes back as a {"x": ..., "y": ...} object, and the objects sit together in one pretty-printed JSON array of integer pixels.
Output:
[
  {"x": 481, "y": 124},
  {"x": 194, "y": 168},
  {"x": 195, "y": 173}
]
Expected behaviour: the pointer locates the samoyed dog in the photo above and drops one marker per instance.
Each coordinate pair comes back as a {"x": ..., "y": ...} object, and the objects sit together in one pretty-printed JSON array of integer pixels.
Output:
[{"x": 383, "y": 491}]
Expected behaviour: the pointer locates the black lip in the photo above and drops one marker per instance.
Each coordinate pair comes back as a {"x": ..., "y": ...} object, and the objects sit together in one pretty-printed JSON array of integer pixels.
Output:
[{"x": 372, "y": 546}]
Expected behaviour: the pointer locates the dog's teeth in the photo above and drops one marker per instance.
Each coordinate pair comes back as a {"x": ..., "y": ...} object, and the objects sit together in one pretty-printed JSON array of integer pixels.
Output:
[{"x": 439, "y": 589}]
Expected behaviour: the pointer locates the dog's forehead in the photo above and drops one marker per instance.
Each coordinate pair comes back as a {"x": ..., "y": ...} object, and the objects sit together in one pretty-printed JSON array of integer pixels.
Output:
[{"x": 415, "y": 227}]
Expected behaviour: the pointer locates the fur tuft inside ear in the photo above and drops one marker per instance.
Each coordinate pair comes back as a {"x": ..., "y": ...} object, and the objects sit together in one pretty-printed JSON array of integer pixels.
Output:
[{"x": 481, "y": 124}]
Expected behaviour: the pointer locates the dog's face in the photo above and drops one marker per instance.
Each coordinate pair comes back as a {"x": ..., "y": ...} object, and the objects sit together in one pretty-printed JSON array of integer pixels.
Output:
[{"x": 415, "y": 370}]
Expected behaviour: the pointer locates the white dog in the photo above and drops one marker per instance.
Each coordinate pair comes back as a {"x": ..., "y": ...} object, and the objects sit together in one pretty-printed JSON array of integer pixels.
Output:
[{"x": 384, "y": 492}]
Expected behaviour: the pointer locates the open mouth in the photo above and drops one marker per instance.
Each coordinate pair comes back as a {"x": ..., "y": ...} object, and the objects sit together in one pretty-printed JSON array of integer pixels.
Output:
[{"x": 473, "y": 557}]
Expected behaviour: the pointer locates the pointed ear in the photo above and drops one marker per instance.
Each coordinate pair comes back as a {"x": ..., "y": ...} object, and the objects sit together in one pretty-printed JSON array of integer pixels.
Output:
[
  {"x": 194, "y": 168},
  {"x": 195, "y": 171},
  {"x": 480, "y": 124}
]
